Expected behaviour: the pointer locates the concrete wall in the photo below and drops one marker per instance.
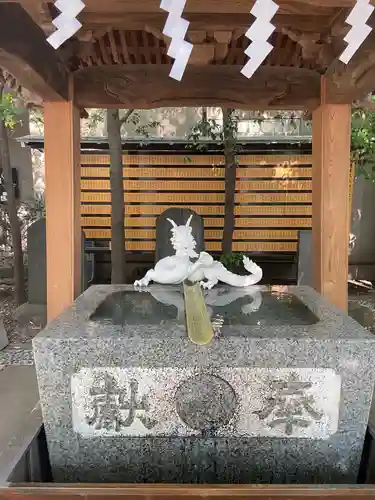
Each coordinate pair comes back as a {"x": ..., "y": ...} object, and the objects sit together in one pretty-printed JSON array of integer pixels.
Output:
[
  {"x": 362, "y": 245},
  {"x": 21, "y": 159},
  {"x": 178, "y": 122},
  {"x": 174, "y": 122}
]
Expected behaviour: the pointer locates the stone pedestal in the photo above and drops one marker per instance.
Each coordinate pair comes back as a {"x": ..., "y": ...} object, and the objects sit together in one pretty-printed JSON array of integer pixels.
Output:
[
  {"x": 305, "y": 270},
  {"x": 281, "y": 395},
  {"x": 37, "y": 263},
  {"x": 3, "y": 336},
  {"x": 37, "y": 266}
]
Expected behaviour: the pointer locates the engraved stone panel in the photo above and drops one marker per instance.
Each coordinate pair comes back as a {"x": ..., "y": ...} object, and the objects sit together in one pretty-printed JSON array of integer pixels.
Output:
[{"x": 288, "y": 403}]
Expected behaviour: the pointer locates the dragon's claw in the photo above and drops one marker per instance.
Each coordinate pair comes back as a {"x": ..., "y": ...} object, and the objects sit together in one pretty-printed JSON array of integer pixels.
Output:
[{"x": 141, "y": 283}]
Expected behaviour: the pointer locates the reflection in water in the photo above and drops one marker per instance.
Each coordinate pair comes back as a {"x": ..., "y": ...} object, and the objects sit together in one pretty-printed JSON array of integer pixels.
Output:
[
  {"x": 220, "y": 298},
  {"x": 226, "y": 307},
  {"x": 171, "y": 298},
  {"x": 245, "y": 306},
  {"x": 215, "y": 297},
  {"x": 133, "y": 308}
]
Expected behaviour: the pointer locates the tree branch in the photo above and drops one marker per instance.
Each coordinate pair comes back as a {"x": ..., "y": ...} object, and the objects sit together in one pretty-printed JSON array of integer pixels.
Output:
[
  {"x": 11, "y": 204},
  {"x": 126, "y": 117}
]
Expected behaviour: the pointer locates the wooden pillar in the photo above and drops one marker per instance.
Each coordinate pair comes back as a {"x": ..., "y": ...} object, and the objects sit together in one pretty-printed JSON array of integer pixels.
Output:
[
  {"x": 62, "y": 174},
  {"x": 330, "y": 219}
]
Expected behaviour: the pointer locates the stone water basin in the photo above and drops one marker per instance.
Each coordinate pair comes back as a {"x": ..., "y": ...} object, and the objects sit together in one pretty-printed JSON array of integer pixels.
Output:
[
  {"x": 281, "y": 395},
  {"x": 257, "y": 306}
]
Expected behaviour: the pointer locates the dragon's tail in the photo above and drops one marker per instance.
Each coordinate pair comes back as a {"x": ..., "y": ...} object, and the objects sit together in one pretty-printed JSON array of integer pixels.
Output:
[{"x": 242, "y": 281}]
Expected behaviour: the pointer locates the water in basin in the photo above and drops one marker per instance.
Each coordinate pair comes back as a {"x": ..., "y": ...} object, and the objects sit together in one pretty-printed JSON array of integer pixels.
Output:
[
  {"x": 262, "y": 308},
  {"x": 134, "y": 308},
  {"x": 229, "y": 307}
]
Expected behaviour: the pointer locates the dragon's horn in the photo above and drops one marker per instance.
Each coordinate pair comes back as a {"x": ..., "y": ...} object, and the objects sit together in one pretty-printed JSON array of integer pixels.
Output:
[
  {"x": 172, "y": 222},
  {"x": 189, "y": 220}
]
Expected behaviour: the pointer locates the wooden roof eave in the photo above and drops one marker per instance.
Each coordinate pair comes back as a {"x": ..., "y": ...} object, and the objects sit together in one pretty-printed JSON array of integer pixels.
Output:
[
  {"x": 116, "y": 76},
  {"x": 25, "y": 53}
]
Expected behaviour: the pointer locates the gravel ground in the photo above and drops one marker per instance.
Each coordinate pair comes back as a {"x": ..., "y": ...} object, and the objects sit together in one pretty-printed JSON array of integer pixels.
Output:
[
  {"x": 362, "y": 309},
  {"x": 19, "y": 350},
  {"x": 21, "y": 354}
]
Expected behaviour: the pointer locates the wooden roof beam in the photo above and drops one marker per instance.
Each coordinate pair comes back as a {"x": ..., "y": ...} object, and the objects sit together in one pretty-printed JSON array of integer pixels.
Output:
[
  {"x": 26, "y": 54},
  {"x": 35, "y": 9},
  {"x": 213, "y": 21},
  {"x": 196, "y": 6},
  {"x": 147, "y": 87},
  {"x": 347, "y": 83}
]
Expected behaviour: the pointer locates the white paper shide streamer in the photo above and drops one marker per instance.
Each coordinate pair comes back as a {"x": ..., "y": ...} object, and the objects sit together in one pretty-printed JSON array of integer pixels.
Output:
[
  {"x": 66, "y": 23},
  {"x": 259, "y": 33},
  {"x": 359, "y": 29},
  {"x": 176, "y": 28}
]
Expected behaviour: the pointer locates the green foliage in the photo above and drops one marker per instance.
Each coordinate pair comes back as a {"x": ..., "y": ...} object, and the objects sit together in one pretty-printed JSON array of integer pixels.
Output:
[
  {"x": 39, "y": 206},
  {"x": 363, "y": 143},
  {"x": 96, "y": 117},
  {"x": 8, "y": 110},
  {"x": 27, "y": 214},
  {"x": 209, "y": 129},
  {"x": 96, "y": 121},
  {"x": 205, "y": 128},
  {"x": 232, "y": 261},
  {"x": 145, "y": 130}
]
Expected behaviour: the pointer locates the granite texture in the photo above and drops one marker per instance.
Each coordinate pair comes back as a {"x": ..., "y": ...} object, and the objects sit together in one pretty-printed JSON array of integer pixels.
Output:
[{"x": 292, "y": 401}]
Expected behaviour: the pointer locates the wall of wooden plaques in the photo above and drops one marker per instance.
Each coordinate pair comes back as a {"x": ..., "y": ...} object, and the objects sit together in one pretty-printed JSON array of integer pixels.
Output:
[{"x": 273, "y": 197}]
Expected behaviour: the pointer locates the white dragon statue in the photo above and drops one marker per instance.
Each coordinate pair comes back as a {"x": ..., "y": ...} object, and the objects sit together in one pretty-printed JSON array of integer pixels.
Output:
[{"x": 205, "y": 270}]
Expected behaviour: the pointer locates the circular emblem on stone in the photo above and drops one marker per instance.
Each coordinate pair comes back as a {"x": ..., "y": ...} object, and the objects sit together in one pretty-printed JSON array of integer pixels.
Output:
[{"x": 205, "y": 402}]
